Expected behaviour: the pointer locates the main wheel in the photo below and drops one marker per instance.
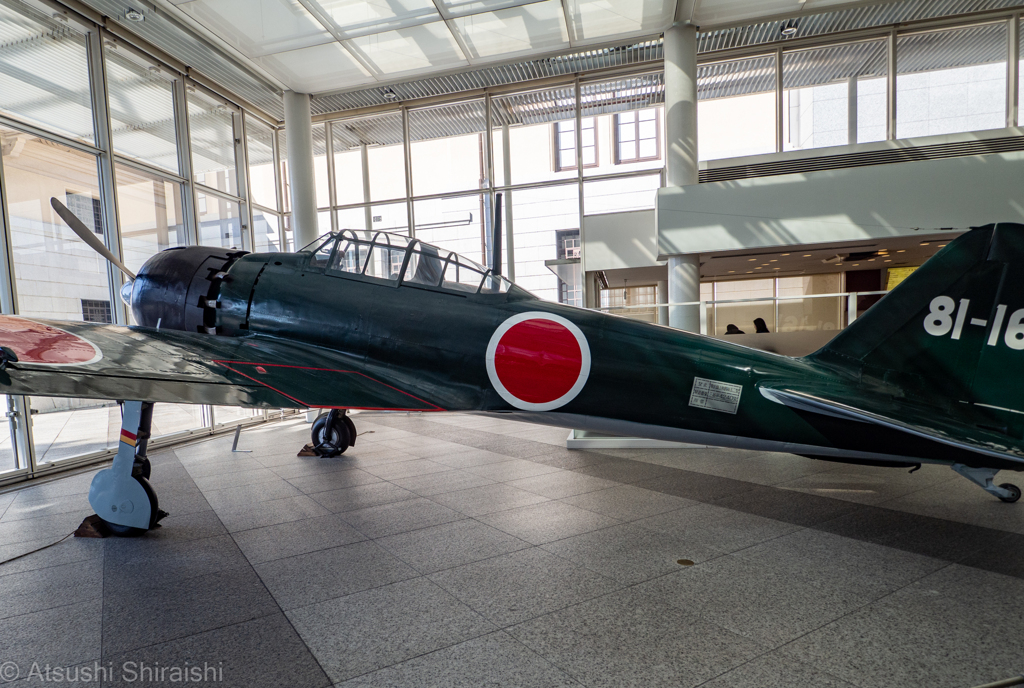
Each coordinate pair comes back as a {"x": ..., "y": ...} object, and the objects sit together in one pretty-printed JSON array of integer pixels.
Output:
[
  {"x": 330, "y": 441},
  {"x": 1014, "y": 490}
]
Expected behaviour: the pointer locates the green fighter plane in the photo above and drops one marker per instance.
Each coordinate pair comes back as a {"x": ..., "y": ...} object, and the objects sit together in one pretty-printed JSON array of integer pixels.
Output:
[{"x": 362, "y": 320}]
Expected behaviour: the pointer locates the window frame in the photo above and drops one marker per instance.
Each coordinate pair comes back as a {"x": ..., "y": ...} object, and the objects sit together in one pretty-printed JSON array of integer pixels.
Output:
[
  {"x": 559, "y": 167},
  {"x": 619, "y": 160}
]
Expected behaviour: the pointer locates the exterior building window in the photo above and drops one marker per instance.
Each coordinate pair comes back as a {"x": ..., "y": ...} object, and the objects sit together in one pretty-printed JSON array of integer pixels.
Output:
[
  {"x": 569, "y": 294},
  {"x": 87, "y": 209},
  {"x": 567, "y": 246},
  {"x": 637, "y": 136},
  {"x": 96, "y": 311},
  {"x": 565, "y": 144},
  {"x": 568, "y": 241}
]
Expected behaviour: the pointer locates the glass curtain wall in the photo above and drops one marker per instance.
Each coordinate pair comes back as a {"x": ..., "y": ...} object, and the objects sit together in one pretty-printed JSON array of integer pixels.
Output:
[
  {"x": 170, "y": 178},
  {"x": 834, "y": 96},
  {"x": 590, "y": 147},
  {"x": 951, "y": 81}
]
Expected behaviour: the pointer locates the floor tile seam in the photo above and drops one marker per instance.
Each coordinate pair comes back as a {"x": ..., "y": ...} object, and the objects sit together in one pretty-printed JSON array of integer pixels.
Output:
[
  {"x": 53, "y": 543},
  {"x": 859, "y": 608},
  {"x": 404, "y": 532},
  {"x": 61, "y": 605},
  {"x": 468, "y": 563},
  {"x": 276, "y": 603},
  {"x": 765, "y": 654},
  {"x": 317, "y": 551},
  {"x": 232, "y": 487},
  {"x": 630, "y": 520},
  {"x": 33, "y": 539},
  {"x": 494, "y": 631},
  {"x": 49, "y": 515},
  {"x": 189, "y": 635},
  {"x": 457, "y": 566},
  {"x": 585, "y": 600},
  {"x": 492, "y": 435},
  {"x": 265, "y": 501},
  {"x": 556, "y": 499},
  {"x": 182, "y": 543}
]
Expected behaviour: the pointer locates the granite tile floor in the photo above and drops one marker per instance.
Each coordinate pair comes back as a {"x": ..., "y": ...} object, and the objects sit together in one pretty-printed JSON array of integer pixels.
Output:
[{"x": 455, "y": 550}]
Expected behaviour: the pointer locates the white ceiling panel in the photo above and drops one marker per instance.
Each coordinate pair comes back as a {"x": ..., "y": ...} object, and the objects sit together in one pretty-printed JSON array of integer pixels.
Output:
[
  {"x": 601, "y": 19},
  {"x": 360, "y": 17},
  {"x": 460, "y": 8},
  {"x": 708, "y": 13},
  {"x": 508, "y": 32},
  {"x": 319, "y": 68},
  {"x": 259, "y": 27},
  {"x": 415, "y": 49}
]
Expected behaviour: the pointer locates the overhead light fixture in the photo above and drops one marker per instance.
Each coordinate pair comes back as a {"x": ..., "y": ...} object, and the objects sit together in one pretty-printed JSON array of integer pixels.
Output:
[
  {"x": 783, "y": 254},
  {"x": 924, "y": 243},
  {"x": 789, "y": 29},
  {"x": 750, "y": 260},
  {"x": 902, "y": 250},
  {"x": 132, "y": 14},
  {"x": 389, "y": 94},
  {"x": 807, "y": 255}
]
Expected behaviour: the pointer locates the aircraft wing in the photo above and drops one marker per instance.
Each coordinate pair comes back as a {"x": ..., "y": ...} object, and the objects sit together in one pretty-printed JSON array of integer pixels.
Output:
[
  {"x": 902, "y": 415},
  {"x": 89, "y": 360}
]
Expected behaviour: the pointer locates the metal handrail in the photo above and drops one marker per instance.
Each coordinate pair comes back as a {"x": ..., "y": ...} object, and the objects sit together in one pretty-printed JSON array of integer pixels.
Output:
[{"x": 846, "y": 294}]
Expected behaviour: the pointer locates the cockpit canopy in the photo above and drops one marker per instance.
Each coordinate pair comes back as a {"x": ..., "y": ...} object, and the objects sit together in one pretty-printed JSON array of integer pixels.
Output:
[{"x": 403, "y": 260}]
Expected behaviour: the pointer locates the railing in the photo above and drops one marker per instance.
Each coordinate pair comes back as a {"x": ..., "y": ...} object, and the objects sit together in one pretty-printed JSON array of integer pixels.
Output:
[{"x": 849, "y": 296}]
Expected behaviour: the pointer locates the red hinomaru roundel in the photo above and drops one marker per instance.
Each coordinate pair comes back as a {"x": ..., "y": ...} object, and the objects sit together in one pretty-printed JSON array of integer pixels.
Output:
[
  {"x": 538, "y": 361},
  {"x": 41, "y": 344}
]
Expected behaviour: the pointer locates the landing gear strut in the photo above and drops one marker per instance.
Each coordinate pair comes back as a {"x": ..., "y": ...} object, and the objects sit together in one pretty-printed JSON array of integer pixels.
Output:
[
  {"x": 333, "y": 432},
  {"x": 121, "y": 494},
  {"x": 982, "y": 477}
]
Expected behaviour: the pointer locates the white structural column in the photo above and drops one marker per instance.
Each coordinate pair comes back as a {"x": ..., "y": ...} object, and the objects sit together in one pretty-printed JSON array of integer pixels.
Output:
[
  {"x": 298, "y": 125},
  {"x": 681, "y": 164},
  {"x": 662, "y": 297}
]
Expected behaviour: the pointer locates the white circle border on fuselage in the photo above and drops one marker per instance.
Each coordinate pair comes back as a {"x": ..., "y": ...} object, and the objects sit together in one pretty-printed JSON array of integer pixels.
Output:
[{"x": 492, "y": 373}]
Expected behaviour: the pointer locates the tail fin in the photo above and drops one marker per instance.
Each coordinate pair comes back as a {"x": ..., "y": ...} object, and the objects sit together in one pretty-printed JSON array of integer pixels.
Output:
[{"x": 955, "y": 328}]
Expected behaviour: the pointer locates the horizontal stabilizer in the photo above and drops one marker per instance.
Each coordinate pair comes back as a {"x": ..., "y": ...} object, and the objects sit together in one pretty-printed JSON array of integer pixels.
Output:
[{"x": 905, "y": 417}]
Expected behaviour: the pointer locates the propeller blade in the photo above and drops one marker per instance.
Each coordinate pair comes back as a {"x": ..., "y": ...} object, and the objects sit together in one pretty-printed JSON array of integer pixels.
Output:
[{"x": 88, "y": 236}]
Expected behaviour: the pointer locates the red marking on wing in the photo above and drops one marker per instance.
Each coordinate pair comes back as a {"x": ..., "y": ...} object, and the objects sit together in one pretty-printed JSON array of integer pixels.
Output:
[
  {"x": 37, "y": 343},
  {"x": 434, "y": 407},
  {"x": 538, "y": 360}
]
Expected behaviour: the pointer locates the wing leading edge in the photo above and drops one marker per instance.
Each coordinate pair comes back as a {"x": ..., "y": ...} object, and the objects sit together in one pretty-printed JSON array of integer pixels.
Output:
[
  {"x": 911, "y": 419},
  {"x": 97, "y": 361}
]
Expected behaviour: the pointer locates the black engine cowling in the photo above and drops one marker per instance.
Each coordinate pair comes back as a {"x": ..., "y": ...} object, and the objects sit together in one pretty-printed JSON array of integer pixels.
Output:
[{"x": 177, "y": 289}]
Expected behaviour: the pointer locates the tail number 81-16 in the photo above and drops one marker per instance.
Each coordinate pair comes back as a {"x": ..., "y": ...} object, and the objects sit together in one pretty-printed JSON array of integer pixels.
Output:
[{"x": 945, "y": 316}]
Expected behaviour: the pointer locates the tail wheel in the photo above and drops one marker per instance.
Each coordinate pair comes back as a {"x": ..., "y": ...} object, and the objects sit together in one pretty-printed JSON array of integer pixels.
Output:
[
  {"x": 1014, "y": 493},
  {"x": 330, "y": 435}
]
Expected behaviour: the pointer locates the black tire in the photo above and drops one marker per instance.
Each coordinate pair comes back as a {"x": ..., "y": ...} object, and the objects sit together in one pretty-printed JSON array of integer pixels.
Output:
[
  {"x": 351, "y": 430},
  {"x": 329, "y": 442},
  {"x": 1013, "y": 497},
  {"x": 154, "y": 514}
]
